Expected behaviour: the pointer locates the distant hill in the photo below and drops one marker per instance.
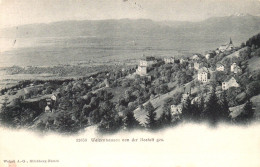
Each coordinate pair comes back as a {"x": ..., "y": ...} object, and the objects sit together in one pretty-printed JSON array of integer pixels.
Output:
[{"x": 220, "y": 28}]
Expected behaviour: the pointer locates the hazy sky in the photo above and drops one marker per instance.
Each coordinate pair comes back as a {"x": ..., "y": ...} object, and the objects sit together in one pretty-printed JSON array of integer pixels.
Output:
[{"x": 17, "y": 12}]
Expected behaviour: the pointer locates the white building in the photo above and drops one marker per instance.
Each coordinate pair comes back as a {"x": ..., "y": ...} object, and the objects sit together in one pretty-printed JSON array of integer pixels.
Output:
[
  {"x": 220, "y": 67},
  {"x": 176, "y": 109},
  {"x": 197, "y": 66},
  {"x": 203, "y": 74},
  {"x": 47, "y": 109},
  {"x": 230, "y": 83},
  {"x": 182, "y": 61},
  {"x": 208, "y": 56},
  {"x": 195, "y": 58},
  {"x": 141, "y": 70},
  {"x": 169, "y": 60},
  {"x": 53, "y": 97}
]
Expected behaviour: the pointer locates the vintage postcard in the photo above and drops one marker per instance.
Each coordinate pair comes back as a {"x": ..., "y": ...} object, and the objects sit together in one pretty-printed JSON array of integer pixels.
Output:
[{"x": 120, "y": 83}]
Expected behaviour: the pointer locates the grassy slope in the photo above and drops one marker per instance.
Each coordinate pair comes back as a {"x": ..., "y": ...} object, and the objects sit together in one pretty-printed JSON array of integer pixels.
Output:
[{"x": 235, "y": 54}]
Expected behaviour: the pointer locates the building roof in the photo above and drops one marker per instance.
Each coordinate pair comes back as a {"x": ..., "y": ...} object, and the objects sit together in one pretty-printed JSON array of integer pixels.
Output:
[
  {"x": 220, "y": 64},
  {"x": 229, "y": 78},
  {"x": 225, "y": 46},
  {"x": 148, "y": 58},
  {"x": 203, "y": 69}
]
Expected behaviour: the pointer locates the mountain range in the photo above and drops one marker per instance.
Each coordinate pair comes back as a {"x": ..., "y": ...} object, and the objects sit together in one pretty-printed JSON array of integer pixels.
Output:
[{"x": 239, "y": 27}]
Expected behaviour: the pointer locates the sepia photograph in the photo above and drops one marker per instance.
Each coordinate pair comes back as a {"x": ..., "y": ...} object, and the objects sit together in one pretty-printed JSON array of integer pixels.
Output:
[{"x": 130, "y": 83}]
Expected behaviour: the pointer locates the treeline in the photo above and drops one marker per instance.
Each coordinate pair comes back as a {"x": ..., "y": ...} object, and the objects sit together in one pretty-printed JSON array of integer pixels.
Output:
[{"x": 255, "y": 40}]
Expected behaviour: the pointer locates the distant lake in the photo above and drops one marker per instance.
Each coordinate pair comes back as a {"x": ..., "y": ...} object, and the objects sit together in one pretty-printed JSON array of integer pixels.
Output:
[{"x": 51, "y": 51}]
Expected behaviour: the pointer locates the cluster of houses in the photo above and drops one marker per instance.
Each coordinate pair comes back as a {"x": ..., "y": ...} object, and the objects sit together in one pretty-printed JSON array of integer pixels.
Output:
[{"x": 204, "y": 74}]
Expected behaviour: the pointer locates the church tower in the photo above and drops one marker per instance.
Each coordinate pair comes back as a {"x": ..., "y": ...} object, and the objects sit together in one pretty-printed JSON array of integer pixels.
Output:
[{"x": 230, "y": 41}]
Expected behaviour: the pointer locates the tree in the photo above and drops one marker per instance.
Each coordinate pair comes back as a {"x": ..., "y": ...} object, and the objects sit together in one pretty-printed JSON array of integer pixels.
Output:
[
  {"x": 130, "y": 122},
  {"x": 224, "y": 115},
  {"x": 253, "y": 88},
  {"x": 66, "y": 124},
  {"x": 196, "y": 112},
  {"x": 187, "y": 110},
  {"x": 177, "y": 98},
  {"x": 110, "y": 122},
  {"x": 247, "y": 114},
  {"x": 151, "y": 123},
  {"x": 149, "y": 107},
  {"x": 166, "y": 116},
  {"x": 213, "y": 109},
  {"x": 5, "y": 114},
  {"x": 201, "y": 104}
]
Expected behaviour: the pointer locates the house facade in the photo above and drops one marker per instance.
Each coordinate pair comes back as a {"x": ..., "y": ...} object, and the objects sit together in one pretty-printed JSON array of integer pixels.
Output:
[
  {"x": 197, "y": 66},
  {"x": 53, "y": 97},
  {"x": 176, "y": 109},
  {"x": 47, "y": 109},
  {"x": 182, "y": 61},
  {"x": 230, "y": 83},
  {"x": 195, "y": 58},
  {"x": 208, "y": 56},
  {"x": 220, "y": 67},
  {"x": 141, "y": 70},
  {"x": 169, "y": 60},
  {"x": 203, "y": 75}
]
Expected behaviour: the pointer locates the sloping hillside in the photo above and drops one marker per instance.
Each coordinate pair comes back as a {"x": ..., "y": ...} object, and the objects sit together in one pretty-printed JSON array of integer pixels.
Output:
[{"x": 254, "y": 64}]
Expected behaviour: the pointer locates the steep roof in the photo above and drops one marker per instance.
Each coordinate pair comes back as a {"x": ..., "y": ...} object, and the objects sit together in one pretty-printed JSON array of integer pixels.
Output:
[{"x": 229, "y": 78}]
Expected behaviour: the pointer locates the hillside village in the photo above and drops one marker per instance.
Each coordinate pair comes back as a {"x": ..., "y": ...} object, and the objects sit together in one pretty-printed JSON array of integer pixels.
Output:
[{"x": 219, "y": 85}]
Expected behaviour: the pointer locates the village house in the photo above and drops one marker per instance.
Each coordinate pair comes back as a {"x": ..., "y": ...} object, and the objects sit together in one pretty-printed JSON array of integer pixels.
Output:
[
  {"x": 203, "y": 74},
  {"x": 195, "y": 57},
  {"x": 217, "y": 51},
  {"x": 209, "y": 55},
  {"x": 220, "y": 67},
  {"x": 229, "y": 83},
  {"x": 141, "y": 70},
  {"x": 235, "y": 68},
  {"x": 49, "y": 101},
  {"x": 53, "y": 97},
  {"x": 169, "y": 60},
  {"x": 197, "y": 66},
  {"x": 226, "y": 47},
  {"x": 182, "y": 60},
  {"x": 47, "y": 109},
  {"x": 195, "y": 100},
  {"x": 176, "y": 109}
]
